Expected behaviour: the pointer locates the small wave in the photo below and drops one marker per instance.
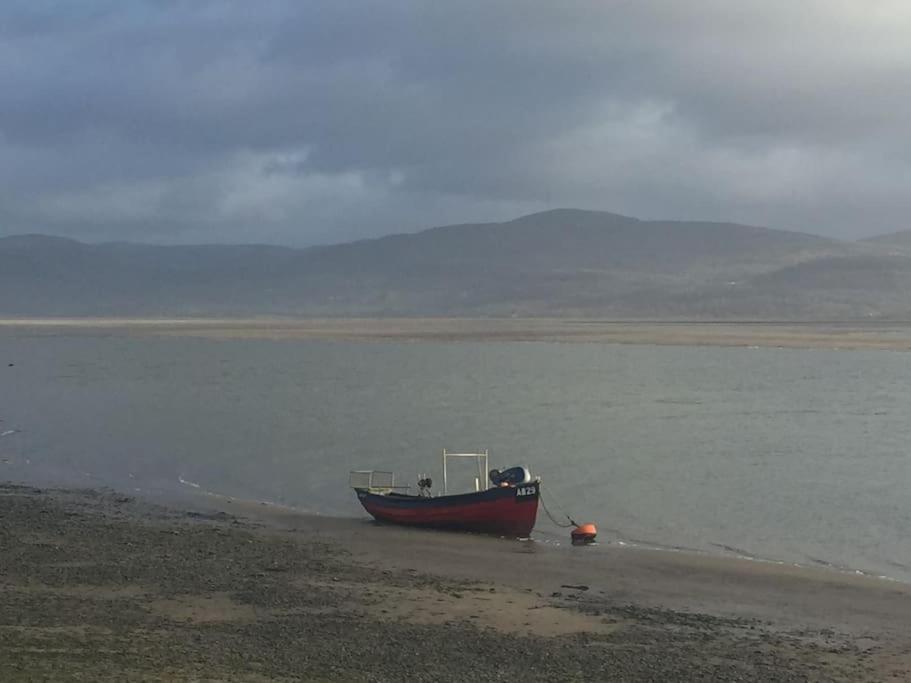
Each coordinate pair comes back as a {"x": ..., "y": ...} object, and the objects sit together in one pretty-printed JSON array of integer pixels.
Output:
[
  {"x": 837, "y": 566},
  {"x": 623, "y": 541},
  {"x": 845, "y": 569},
  {"x": 734, "y": 549},
  {"x": 899, "y": 565},
  {"x": 654, "y": 545},
  {"x": 826, "y": 563},
  {"x": 258, "y": 501}
]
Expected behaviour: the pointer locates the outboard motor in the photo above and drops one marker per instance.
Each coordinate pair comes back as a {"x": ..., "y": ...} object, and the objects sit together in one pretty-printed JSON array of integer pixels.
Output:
[{"x": 514, "y": 476}]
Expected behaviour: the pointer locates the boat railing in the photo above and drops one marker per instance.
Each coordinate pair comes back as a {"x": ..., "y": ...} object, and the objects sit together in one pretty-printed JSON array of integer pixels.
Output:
[
  {"x": 481, "y": 458},
  {"x": 376, "y": 481}
]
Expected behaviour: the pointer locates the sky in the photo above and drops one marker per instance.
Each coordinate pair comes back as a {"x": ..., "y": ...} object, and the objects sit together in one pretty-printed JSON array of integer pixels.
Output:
[{"x": 305, "y": 122}]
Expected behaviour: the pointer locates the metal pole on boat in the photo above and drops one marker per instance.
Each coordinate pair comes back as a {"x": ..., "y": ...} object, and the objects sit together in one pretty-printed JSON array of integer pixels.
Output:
[{"x": 445, "y": 486}]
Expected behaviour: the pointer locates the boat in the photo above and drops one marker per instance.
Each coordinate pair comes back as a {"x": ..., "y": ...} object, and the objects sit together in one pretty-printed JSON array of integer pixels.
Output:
[{"x": 503, "y": 503}]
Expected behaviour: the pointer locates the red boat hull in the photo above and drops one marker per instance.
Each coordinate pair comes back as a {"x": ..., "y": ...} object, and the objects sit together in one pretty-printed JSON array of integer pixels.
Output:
[{"x": 506, "y": 511}]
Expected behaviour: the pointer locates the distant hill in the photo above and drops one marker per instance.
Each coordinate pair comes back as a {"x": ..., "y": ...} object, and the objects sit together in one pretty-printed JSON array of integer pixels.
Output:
[
  {"x": 556, "y": 263},
  {"x": 23, "y": 242},
  {"x": 900, "y": 240}
]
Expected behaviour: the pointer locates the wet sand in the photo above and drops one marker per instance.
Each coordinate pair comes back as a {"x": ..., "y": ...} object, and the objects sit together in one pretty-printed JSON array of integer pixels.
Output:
[
  {"x": 788, "y": 334},
  {"x": 100, "y": 586}
]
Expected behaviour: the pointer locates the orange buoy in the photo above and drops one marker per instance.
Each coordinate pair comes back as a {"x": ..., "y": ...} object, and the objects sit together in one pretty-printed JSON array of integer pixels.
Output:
[{"x": 584, "y": 533}]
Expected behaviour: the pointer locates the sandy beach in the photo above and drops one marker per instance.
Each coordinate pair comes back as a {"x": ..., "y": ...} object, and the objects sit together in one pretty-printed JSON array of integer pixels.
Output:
[
  {"x": 883, "y": 335},
  {"x": 101, "y": 586}
]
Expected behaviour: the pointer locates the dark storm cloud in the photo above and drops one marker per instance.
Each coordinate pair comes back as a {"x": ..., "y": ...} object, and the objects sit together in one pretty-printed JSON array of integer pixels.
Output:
[{"x": 322, "y": 121}]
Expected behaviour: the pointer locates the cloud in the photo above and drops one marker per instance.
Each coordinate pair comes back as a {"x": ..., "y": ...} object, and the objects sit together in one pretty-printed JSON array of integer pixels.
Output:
[{"x": 326, "y": 121}]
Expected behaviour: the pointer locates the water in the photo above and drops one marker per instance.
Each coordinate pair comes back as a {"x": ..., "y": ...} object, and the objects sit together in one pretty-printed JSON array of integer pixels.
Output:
[{"x": 793, "y": 455}]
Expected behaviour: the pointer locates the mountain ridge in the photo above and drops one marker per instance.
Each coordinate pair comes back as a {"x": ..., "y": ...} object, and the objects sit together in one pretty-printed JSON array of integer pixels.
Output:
[
  {"x": 562, "y": 262},
  {"x": 554, "y": 213},
  {"x": 900, "y": 239}
]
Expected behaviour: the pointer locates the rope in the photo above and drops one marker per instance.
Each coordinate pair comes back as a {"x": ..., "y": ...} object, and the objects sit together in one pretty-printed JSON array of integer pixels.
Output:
[
  {"x": 572, "y": 522},
  {"x": 552, "y": 518}
]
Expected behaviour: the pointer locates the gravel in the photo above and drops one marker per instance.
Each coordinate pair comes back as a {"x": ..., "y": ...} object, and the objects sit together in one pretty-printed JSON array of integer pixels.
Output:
[{"x": 98, "y": 586}]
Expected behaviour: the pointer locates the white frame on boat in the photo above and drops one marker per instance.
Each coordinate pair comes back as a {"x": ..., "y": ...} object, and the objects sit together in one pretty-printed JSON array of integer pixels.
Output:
[
  {"x": 387, "y": 484},
  {"x": 482, "y": 459}
]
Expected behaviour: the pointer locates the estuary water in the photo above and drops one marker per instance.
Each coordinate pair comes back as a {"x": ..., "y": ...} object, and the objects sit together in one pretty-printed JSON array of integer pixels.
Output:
[{"x": 797, "y": 456}]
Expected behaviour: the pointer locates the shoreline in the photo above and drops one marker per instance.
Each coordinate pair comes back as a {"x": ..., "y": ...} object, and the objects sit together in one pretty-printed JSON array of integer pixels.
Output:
[
  {"x": 844, "y": 335},
  {"x": 104, "y": 586},
  {"x": 194, "y": 496}
]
